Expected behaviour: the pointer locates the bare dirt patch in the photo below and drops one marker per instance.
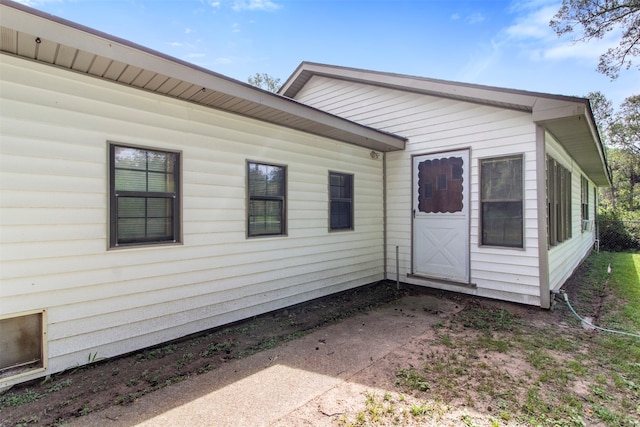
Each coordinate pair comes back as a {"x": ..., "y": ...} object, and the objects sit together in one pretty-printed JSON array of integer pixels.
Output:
[{"x": 120, "y": 381}]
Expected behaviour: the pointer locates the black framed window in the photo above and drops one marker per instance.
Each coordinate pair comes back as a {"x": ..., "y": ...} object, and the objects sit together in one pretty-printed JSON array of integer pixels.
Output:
[
  {"x": 144, "y": 194},
  {"x": 501, "y": 191},
  {"x": 267, "y": 199},
  {"x": 340, "y": 201}
]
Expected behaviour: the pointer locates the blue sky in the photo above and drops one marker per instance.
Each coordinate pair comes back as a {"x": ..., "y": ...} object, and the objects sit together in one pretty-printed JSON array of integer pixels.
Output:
[{"x": 498, "y": 43}]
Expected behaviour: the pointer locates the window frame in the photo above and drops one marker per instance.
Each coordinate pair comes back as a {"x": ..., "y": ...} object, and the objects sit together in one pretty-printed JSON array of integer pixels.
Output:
[
  {"x": 283, "y": 199},
  {"x": 350, "y": 200},
  {"x": 559, "y": 202},
  {"x": 584, "y": 202},
  {"x": 173, "y": 196},
  {"x": 482, "y": 201}
]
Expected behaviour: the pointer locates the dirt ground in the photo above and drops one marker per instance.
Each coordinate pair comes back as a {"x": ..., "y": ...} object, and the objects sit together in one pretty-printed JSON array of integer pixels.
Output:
[
  {"x": 476, "y": 371},
  {"x": 122, "y": 380}
]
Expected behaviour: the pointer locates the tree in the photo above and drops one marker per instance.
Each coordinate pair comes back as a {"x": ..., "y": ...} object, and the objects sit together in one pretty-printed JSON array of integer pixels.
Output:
[
  {"x": 264, "y": 81},
  {"x": 627, "y": 127},
  {"x": 597, "y": 18},
  {"x": 620, "y": 132},
  {"x": 603, "y": 114},
  {"x": 602, "y": 111},
  {"x": 624, "y": 135}
]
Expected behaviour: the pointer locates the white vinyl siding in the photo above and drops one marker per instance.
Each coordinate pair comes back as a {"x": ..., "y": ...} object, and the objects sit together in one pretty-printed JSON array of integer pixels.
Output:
[
  {"x": 435, "y": 124},
  {"x": 56, "y": 126},
  {"x": 567, "y": 255}
]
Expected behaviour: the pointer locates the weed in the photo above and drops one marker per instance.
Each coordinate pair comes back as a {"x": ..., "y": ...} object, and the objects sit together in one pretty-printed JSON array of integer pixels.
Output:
[
  {"x": 605, "y": 414},
  {"x": 412, "y": 379},
  {"x": 600, "y": 392},
  {"x": 217, "y": 348},
  {"x": 540, "y": 359},
  {"x": 126, "y": 398},
  {"x": 86, "y": 409},
  {"x": 576, "y": 368},
  {"x": 207, "y": 368},
  {"x": 446, "y": 341},
  {"x": 17, "y": 399},
  {"x": 467, "y": 420},
  {"x": 487, "y": 320},
  {"x": 418, "y": 410},
  {"x": 490, "y": 344},
  {"x": 186, "y": 358},
  {"x": 60, "y": 385}
]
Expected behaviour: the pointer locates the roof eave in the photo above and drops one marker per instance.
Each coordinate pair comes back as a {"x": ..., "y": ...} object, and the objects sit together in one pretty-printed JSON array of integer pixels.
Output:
[
  {"x": 19, "y": 21},
  {"x": 572, "y": 124},
  {"x": 568, "y": 118}
]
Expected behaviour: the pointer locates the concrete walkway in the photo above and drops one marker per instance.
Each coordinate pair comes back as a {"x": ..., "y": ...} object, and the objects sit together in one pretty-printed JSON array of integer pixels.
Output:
[{"x": 307, "y": 381}]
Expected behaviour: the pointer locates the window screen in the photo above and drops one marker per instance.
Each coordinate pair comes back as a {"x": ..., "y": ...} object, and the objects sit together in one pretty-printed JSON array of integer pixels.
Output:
[
  {"x": 267, "y": 200},
  {"x": 340, "y": 201},
  {"x": 501, "y": 201}
]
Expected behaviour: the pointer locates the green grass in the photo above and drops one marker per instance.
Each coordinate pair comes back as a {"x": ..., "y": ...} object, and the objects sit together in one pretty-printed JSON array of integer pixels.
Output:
[
  {"x": 569, "y": 377},
  {"x": 625, "y": 283}
]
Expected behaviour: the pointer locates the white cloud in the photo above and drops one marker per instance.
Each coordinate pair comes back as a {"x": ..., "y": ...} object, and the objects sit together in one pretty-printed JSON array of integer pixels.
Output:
[
  {"x": 235, "y": 27},
  {"x": 533, "y": 37},
  {"x": 188, "y": 31},
  {"x": 580, "y": 50},
  {"x": 266, "y": 5},
  {"x": 534, "y": 24},
  {"x": 176, "y": 44},
  {"x": 215, "y": 4},
  {"x": 474, "y": 18}
]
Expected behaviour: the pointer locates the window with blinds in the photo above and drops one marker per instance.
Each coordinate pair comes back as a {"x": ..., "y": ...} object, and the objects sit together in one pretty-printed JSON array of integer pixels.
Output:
[{"x": 144, "y": 194}]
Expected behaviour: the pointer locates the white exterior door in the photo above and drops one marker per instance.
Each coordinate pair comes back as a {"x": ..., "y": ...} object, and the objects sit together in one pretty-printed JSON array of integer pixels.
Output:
[{"x": 441, "y": 216}]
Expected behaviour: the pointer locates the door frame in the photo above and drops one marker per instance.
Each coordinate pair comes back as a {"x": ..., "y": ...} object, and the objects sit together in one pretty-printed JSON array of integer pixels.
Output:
[{"x": 466, "y": 207}]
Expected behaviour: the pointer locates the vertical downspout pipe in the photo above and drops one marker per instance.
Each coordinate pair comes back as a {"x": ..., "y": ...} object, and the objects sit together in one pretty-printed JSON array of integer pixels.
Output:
[
  {"x": 397, "y": 267},
  {"x": 384, "y": 213}
]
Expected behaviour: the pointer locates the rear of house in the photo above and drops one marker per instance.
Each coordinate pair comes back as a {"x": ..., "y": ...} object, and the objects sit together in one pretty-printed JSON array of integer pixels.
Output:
[
  {"x": 144, "y": 199},
  {"x": 494, "y": 195}
]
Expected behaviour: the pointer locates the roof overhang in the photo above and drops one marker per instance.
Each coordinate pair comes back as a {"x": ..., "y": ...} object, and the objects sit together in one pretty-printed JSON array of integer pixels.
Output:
[
  {"x": 33, "y": 35},
  {"x": 569, "y": 119}
]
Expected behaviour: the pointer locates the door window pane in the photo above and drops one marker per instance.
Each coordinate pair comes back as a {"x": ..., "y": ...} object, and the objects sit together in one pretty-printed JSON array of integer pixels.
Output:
[{"x": 440, "y": 185}]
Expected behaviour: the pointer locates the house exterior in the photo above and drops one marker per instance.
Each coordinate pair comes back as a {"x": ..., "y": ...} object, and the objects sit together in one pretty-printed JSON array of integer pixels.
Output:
[
  {"x": 495, "y": 192},
  {"x": 144, "y": 198}
]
